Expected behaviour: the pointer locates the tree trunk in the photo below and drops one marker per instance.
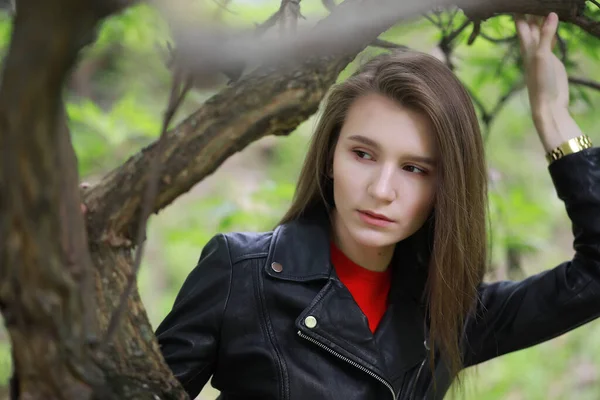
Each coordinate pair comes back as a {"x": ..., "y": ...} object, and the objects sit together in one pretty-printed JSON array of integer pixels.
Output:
[{"x": 60, "y": 282}]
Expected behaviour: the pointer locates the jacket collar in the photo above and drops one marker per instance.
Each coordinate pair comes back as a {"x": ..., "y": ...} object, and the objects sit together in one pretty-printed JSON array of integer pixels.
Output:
[{"x": 301, "y": 247}]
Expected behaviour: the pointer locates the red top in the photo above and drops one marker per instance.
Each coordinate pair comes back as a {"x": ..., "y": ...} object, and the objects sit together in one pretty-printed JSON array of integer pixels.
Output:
[{"x": 369, "y": 288}]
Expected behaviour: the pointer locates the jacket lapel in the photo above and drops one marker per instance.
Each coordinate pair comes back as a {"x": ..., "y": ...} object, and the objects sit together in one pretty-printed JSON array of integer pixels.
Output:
[{"x": 333, "y": 319}]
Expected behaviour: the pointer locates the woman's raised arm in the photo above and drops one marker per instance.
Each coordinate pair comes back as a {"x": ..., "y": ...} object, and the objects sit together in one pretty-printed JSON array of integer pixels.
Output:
[{"x": 514, "y": 315}]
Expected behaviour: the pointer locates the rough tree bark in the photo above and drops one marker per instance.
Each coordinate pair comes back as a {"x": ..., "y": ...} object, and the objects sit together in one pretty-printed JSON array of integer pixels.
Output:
[{"x": 60, "y": 282}]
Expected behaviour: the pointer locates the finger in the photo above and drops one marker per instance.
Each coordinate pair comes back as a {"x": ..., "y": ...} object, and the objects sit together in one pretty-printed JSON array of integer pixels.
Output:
[
  {"x": 523, "y": 31},
  {"x": 548, "y": 32},
  {"x": 534, "y": 28}
]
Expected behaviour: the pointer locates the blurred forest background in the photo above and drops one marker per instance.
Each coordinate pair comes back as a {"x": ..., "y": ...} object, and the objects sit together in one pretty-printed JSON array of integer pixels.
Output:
[{"x": 115, "y": 103}]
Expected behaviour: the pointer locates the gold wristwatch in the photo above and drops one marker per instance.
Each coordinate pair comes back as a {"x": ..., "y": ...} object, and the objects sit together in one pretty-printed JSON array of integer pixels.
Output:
[{"x": 570, "y": 146}]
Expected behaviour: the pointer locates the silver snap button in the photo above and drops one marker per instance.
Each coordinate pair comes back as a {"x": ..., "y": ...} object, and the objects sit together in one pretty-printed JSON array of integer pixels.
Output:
[
  {"x": 310, "y": 322},
  {"x": 276, "y": 267}
]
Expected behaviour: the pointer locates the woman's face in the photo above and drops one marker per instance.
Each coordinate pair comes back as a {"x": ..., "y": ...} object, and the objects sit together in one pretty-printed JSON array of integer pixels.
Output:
[{"x": 384, "y": 173}]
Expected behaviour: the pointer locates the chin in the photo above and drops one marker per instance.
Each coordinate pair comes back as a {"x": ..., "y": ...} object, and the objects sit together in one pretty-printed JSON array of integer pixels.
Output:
[{"x": 372, "y": 238}]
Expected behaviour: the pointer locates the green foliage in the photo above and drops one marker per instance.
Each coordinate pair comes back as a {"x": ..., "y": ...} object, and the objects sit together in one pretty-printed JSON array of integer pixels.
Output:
[
  {"x": 137, "y": 28},
  {"x": 559, "y": 369},
  {"x": 103, "y": 137},
  {"x": 5, "y": 363}
]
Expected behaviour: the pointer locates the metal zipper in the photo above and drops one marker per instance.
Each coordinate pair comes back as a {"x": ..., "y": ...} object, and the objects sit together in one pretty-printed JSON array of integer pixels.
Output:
[
  {"x": 349, "y": 361},
  {"x": 414, "y": 388}
]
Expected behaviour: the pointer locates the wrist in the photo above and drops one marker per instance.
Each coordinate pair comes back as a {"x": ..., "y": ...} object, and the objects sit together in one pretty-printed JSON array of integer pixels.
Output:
[{"x": 555, "y": 126}]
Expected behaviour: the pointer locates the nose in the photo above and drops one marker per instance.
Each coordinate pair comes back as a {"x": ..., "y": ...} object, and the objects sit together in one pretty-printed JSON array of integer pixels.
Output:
[{"x": 381, "y": 187}]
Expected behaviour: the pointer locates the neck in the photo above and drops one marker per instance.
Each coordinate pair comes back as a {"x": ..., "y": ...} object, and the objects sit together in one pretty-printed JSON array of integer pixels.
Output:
[{"x": 368, "y": 257}]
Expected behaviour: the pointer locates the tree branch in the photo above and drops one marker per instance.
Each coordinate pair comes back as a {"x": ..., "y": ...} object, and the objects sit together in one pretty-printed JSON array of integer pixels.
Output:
[
  {"x": 209, "y": 136},
  {"x": 498, "y": 40},
  {"x": 445, "y": 44},
  {"x": 384, "y": 44},
  {"x": 45, "y": 266},
  {"x": 585, "y": 82},
  {"x": 590, "y": 26},
  {"x": 345, "y": 27},
  {"x": 74, "y": 232},
  {"x": 447, "y": 40},
  {"x": 562, "y": 46},
  {"x": 381, "y": 43},
  {"x": 357, "y": 17},
  {"x": 177, "y": 95},
  {"x": 289, "y": 14},
  {"x": 268, "y": 24},
  {"x": 223, "y": 126}
]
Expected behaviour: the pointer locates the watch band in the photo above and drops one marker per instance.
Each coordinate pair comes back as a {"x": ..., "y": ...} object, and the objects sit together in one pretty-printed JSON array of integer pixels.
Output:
[{"x": 570, "y": 146}]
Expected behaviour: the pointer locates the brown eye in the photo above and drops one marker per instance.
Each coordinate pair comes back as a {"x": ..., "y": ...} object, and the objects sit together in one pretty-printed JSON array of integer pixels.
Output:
[
  {"x": 412, "y": 168},
  {"x": 362, "y": 155}
]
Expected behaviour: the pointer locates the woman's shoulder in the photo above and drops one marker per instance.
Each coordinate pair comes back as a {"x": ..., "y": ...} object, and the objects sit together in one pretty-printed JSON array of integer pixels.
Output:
[
  {"x": 288, "y": 237},
  {"x": 245, "y": 245}
]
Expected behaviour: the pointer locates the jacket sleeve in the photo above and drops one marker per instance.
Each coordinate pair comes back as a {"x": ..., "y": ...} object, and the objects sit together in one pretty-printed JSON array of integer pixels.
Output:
[
  {"x": 515, "y": 315},
  {"x": 189, "y": 335}
]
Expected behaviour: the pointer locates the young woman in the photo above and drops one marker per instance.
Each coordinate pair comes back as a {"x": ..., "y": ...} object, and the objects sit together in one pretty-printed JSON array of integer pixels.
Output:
[{"x": 371, "y": 286}]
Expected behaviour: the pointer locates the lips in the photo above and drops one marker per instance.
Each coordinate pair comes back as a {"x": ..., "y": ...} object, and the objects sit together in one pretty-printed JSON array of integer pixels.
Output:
[{"x": 376, "y": 215}]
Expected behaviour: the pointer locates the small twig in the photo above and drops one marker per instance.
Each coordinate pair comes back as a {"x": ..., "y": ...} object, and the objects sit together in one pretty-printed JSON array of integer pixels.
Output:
[
  {"x": 498, "y": 40},
  {"x": 446, "y": 43},
  {"x": 280, "y": 14},
  {"x": 428, "y": 18},
  {"x": 180, "y": 87},
  {"x": 509, "y": 52},
  {"x": 451, "y": 19},
  {"x": 447, "y": 40},
  {"x": 475, "y": 33},
  {"x": 562, "y": 47},
  {"x": 289, "y": 13},
  {"x": 594, "y": 2},
  {"x": 438, "y": 13},
  {"x": 588, "y": 25},
  {"x": 516, "y": 87},
  {"x": 584, "y": 82},
  {"x": 491, "y": 116},
  {"x": 268, "y": 24},
  {"x": 487, "y": 117},
  {"x": 384, "y": 44}
]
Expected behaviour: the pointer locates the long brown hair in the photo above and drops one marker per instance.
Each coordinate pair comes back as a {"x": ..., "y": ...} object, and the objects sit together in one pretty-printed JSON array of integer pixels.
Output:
[{"x": 459, "y": 246}]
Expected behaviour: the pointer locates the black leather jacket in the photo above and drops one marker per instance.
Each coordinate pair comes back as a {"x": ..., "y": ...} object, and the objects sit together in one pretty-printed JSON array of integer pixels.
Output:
[{"x": 266, "y": 316}]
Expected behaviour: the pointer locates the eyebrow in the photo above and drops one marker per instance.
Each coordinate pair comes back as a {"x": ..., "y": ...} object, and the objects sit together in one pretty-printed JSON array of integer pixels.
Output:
[{"x": 370, "y": 142}]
